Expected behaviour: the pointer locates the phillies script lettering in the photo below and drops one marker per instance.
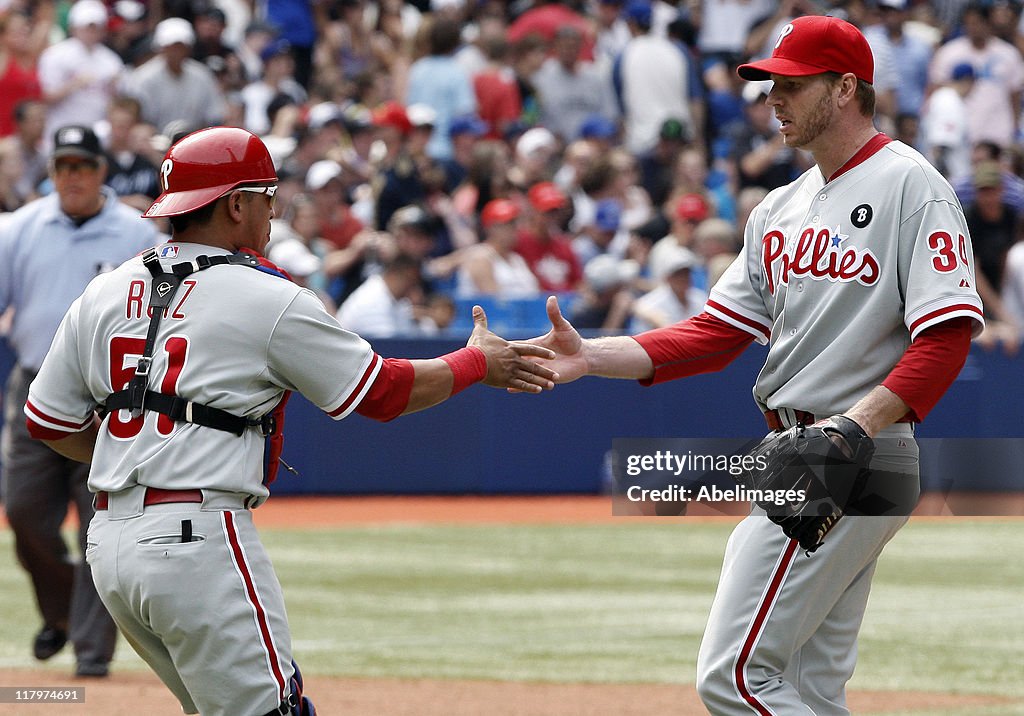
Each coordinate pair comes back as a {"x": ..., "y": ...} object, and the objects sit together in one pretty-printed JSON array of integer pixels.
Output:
[{"x": 820, "y": 254}]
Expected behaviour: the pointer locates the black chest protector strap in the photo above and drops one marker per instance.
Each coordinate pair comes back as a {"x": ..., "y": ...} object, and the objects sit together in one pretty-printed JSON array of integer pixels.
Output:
[{"x": 137, "y": 396}]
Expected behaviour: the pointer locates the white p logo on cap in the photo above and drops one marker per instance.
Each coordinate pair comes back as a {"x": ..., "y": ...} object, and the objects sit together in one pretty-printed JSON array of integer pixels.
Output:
[
  {"x": 787, "y": 30},
  {"x": 165, "y": 173}
]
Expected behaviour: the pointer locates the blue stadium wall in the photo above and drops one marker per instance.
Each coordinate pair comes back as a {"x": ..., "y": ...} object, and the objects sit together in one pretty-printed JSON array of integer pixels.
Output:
[{"x": 485, "y": 441}]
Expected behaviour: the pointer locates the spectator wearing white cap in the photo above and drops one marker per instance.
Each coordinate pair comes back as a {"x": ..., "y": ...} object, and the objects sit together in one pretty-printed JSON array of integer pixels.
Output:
[
  {"x": 606, "y": 297},
  {"x": 323, "y": 219},
  {"x": 675, "y": 298},
  {"x": 325, "y": 185},
  {"x": 423, "y": 119},
  {"x": 79, "y": 75},
  {"x": 129, "y": 32},
  {"x": 172, "y": 87},
  {"x": 536, "y": 149}
]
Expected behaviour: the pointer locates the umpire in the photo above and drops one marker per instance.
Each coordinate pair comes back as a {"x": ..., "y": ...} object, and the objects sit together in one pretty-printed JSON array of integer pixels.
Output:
[{"x": 49, "y": 250}]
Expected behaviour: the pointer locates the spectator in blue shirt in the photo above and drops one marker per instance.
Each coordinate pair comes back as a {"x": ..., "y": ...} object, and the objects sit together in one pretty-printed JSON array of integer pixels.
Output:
[{"x": 440, "y": 82}]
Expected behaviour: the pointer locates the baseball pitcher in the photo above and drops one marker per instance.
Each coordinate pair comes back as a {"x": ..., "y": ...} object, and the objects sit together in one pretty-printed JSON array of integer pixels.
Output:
[{"x": 859, "y": 276}]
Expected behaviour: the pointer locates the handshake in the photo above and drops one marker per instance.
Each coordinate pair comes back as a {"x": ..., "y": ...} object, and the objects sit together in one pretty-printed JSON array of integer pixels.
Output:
[{"x": 534, "y": 365}]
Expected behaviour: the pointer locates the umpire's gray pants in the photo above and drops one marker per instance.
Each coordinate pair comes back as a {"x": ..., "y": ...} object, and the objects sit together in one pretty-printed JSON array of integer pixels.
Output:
[{"x": 37, "y": 485}]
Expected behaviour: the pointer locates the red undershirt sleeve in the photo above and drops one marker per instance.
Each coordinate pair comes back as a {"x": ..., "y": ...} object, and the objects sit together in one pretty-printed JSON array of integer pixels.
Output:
[
  {"x": 702, "y": 344},
  {"x": 930, "y": 365},
  {"x": 41, "y": 432},
  {"x": 388, "y": 397}
]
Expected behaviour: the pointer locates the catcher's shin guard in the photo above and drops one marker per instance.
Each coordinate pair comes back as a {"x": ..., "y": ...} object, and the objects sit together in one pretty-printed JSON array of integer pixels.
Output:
[{"x": 296, "y": 704}]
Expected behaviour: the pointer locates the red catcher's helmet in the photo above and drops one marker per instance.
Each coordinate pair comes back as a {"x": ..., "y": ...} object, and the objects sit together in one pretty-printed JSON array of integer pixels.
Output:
[{"x": 203, "y": 166}]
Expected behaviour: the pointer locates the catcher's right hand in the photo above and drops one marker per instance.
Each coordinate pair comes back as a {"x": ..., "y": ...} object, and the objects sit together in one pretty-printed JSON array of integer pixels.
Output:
[
  {"x": 507, "y": 363},
  {"x": 824, "y": 465}
]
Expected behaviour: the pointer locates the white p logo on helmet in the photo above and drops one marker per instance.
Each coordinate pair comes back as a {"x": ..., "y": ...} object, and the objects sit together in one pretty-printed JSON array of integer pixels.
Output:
[
  {"x": 787, "y": 30},
  {"x": 165, "y": 172}
]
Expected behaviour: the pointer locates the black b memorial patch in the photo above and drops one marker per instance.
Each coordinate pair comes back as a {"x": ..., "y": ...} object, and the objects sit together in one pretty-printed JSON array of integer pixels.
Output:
[{"x": 861, "y": 216}]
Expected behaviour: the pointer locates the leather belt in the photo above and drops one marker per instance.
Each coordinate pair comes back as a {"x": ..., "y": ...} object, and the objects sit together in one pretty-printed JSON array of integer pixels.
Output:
[
  {"x": 155, "y": 496},
  {"x": 774, "y": 418},
  {"x": 775, "y": 422}
]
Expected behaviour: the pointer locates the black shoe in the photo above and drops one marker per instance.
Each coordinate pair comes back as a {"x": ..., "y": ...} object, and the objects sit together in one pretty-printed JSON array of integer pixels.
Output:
[
  {"x": 94, "y": 670},
  {"x": 49, "y": 641}
]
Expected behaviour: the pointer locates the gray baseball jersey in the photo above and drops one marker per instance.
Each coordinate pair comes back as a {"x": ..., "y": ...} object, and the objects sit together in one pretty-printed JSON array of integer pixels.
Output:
[
  {"x": 236, "y": 339},
  {"x": 869, "y": 260},
  {"x": 288, "y": 340},
  {"x": 840, "y": 276}
]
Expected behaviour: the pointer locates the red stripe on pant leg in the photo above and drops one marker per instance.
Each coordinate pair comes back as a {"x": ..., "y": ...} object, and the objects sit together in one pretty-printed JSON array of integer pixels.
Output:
[
  {"x": 254, "y": 601},
  {"x": 755, "y": 629}
]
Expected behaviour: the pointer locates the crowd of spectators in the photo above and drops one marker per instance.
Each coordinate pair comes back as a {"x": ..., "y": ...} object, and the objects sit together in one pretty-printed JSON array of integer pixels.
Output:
[{"x": 436, "y": 152}]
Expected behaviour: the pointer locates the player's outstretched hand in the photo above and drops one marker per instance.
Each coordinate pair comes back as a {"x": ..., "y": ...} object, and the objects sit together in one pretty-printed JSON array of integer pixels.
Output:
[
  {"x": 565, "y": 342},
  {"x": 508, "y": 365}
]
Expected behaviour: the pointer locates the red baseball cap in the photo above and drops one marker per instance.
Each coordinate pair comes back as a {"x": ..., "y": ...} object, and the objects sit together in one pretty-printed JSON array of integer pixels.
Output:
[
  {"x": 498, "y": 211},
  {"x": 811, "y": 45},
  {"x": 692, "y": 207},
  {"x": 545, "y": 196},
  {"x": 392, "y": 114}
]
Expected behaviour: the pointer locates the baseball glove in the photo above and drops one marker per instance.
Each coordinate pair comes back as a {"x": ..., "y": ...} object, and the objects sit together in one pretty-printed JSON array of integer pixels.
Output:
[{"x": 820, "y": 469}]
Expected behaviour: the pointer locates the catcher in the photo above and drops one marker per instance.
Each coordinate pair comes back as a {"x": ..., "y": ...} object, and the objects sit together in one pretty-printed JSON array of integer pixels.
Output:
[{"x": 189, "y": 352}]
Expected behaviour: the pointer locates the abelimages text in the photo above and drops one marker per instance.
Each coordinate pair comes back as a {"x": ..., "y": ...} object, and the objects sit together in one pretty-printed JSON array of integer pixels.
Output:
[
  {"x": 713, "y": 493},
  {"x": 677, "y": 463}
]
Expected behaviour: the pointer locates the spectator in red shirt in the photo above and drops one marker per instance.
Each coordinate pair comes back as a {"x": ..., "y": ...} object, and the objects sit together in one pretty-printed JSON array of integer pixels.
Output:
[
  {"x": 21, "y": 41},
  {"x": 497, "y": 91},
  {"x": 548, "y": 251}
]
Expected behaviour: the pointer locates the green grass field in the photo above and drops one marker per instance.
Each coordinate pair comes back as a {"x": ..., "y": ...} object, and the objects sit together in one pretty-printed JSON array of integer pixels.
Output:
[{"x": 603, "y": 603}]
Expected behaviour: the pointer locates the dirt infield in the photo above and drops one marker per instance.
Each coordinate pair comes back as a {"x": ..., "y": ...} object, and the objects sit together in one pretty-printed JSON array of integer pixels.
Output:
[
  {"x": 303, "y": 512},
  {"x": 129, "y": 694},
  {"x": 300, "y": 512},
  {"x": 135, "y": 693}
]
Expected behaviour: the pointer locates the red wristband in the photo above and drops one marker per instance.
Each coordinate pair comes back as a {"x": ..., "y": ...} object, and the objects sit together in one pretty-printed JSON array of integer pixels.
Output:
[{"x": 469, "y": 365}]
